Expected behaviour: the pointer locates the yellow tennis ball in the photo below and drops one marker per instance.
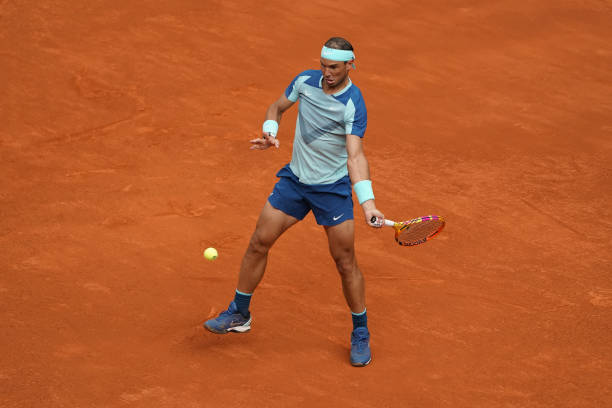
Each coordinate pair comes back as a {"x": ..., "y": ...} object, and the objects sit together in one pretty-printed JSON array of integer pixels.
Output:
[{"x": 211, "y": 254}]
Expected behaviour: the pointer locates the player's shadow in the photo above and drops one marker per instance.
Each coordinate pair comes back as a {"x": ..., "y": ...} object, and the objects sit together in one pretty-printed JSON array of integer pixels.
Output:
[
  {"x": 239, "y": 346},
  {"x": 254, "y": 347}
]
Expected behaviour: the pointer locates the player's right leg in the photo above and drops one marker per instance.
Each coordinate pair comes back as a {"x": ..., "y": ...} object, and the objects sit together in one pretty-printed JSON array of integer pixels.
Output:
[{"x": 270, "y": 226}]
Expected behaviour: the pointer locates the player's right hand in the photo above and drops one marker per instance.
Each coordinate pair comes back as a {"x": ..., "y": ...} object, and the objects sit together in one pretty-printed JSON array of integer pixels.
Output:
[
  {"x": 373, "y": 217},
  {"x": 265, "y": 141}
]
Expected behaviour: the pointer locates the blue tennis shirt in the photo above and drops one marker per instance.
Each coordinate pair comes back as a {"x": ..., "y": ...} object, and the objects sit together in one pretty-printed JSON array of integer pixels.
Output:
[{"x": 319, "y": 145}]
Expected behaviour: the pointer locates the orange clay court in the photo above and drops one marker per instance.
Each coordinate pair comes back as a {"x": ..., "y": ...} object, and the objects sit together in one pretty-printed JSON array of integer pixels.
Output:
[{"x": 124, "y": 143}]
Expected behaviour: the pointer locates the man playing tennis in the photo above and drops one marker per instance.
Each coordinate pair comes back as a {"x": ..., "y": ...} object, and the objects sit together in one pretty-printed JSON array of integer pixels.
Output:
[{"x": 327, "y": 157}]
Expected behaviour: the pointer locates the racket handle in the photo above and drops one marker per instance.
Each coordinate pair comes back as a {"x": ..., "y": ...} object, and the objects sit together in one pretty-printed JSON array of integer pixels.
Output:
[{"x": 387, "y": 222}]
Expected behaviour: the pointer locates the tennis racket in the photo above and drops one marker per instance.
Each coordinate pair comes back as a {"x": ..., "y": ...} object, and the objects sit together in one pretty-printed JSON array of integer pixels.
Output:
[{"x": 416, "y": 231}]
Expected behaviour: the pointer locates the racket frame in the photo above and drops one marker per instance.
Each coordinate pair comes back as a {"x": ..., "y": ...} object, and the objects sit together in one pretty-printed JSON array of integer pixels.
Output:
[{"x": 401, "y": 226}]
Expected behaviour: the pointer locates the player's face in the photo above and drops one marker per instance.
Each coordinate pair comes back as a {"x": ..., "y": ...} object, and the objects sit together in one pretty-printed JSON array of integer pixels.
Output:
[{"x": 334, "y": 72}]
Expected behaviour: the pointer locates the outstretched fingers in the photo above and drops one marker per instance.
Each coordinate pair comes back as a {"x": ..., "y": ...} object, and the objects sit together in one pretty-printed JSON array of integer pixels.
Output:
[{"x": 264, "y": 142}]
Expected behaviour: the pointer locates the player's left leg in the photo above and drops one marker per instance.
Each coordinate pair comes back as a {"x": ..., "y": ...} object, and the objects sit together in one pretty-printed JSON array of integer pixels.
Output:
[{"x": 341, "y": 240}]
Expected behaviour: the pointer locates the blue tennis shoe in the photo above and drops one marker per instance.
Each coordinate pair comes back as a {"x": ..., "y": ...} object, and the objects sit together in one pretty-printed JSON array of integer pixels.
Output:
[
  {"x": 229, "y": 320},
  {"x": 360, "y": 347}
]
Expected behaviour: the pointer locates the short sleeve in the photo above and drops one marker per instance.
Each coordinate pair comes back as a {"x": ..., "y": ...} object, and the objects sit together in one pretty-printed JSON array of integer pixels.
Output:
[
  {"x": 293, "y": 90},
  {"x": 356, "y": 117}
]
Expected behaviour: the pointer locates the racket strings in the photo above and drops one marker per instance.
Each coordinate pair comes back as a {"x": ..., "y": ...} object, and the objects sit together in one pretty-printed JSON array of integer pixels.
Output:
[{"x": 417, "y": 232}]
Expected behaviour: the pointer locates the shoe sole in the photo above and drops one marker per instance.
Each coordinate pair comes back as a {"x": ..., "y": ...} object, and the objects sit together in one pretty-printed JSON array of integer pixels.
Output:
[
  {"x": 238, "y": 329},
  {"x": 234, "y": 329},
  {"x": 361, "y": 364}
]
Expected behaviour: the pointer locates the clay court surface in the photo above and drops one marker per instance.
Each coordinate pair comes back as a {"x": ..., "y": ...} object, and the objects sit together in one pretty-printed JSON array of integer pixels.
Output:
[{"x": 124, "y": 143}]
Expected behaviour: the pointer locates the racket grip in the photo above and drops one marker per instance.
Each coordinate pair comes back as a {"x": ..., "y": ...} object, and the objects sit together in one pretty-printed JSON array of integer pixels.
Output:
[{"x": 387, "y": 222}]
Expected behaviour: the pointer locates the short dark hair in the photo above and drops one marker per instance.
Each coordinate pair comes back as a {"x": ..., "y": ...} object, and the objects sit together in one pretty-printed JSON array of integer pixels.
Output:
[{"x": 339, "y": 43}]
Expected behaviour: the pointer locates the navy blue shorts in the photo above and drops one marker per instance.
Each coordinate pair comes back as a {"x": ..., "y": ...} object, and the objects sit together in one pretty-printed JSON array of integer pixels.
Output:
[{"x": 331, "y": 204}]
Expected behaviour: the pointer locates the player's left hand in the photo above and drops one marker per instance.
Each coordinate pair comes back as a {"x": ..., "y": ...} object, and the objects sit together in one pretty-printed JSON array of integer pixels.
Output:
[{"x": 266, "y": 140}]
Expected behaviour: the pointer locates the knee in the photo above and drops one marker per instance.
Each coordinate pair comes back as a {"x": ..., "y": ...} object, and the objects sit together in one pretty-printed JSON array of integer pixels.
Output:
[
  {"x": 346, "y": 265},
  {"x": 259, "y": 244}
]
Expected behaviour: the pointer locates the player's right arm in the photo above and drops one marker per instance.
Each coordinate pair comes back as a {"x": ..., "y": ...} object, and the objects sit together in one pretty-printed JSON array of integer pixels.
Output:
[{"x": 274, "y": 112}]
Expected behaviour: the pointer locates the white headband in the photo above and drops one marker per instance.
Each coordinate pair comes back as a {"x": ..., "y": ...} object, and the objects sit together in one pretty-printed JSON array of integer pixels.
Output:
[{"x": 337, "y": 55}]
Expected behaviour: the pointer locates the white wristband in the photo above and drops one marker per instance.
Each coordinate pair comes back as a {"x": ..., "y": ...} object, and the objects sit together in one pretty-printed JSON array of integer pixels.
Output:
[{"x": 270, "y": 126}]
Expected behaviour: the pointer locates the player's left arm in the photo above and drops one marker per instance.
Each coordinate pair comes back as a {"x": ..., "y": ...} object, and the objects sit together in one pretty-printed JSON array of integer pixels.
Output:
[{"x": 359, "y": 170}]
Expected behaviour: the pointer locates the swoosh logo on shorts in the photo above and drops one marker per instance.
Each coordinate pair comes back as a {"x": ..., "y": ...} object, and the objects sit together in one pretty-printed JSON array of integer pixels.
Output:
[{"x": 338, "y": 217}]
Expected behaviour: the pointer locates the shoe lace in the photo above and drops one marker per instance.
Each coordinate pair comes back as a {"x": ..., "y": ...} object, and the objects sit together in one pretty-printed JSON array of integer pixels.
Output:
[
  {"x": 227, "y": 312},
  {"x": 360, "y": 342}
]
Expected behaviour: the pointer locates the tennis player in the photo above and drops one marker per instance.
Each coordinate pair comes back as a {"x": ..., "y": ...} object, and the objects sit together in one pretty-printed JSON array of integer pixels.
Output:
[{"x": 327, "y": 159}]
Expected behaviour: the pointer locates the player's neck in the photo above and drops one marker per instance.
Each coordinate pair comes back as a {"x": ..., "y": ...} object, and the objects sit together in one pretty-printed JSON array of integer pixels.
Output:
[{"x": 336, "y": 88}]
